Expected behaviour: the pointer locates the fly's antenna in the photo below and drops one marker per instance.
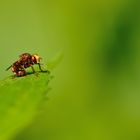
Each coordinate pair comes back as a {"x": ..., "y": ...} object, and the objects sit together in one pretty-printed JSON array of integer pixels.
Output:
[{"x": 8, "y": 68}]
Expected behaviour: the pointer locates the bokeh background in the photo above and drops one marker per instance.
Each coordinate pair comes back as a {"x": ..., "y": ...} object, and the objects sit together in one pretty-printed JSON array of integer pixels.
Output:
[{"x": 95, "y": 92}]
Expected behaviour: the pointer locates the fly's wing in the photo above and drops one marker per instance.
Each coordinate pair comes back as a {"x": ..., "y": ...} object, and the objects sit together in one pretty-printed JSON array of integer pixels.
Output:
[{"x": 8, "y": 67}]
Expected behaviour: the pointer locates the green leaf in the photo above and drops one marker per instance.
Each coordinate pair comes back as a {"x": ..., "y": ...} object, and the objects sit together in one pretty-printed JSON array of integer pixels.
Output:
[{"x": 20, "y": 98}]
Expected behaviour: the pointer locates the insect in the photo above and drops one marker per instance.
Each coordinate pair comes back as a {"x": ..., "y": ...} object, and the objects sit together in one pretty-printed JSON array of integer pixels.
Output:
[{"x": 25, "y": 60}]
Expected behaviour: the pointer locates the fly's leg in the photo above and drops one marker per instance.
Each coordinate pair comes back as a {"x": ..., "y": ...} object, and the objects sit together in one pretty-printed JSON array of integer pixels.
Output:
[
  {"x": 42, "y": 69},
  {"x": 39, "y": 66},
  {"x": 33, "y": 69},
  {"x": 14, "y": 76}
]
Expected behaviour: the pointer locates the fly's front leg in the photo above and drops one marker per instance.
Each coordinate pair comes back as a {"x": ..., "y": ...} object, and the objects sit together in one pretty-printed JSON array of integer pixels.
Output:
[{"x": 39, "y": 66}]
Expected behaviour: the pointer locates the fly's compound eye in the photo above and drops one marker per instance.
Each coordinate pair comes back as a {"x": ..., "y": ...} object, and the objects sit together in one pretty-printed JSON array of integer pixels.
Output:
[{"x": 37, "y": 57}]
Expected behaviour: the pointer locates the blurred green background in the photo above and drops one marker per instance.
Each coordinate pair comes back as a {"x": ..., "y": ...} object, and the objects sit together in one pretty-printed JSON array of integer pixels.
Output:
[{"x": 95, "y": 94}]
